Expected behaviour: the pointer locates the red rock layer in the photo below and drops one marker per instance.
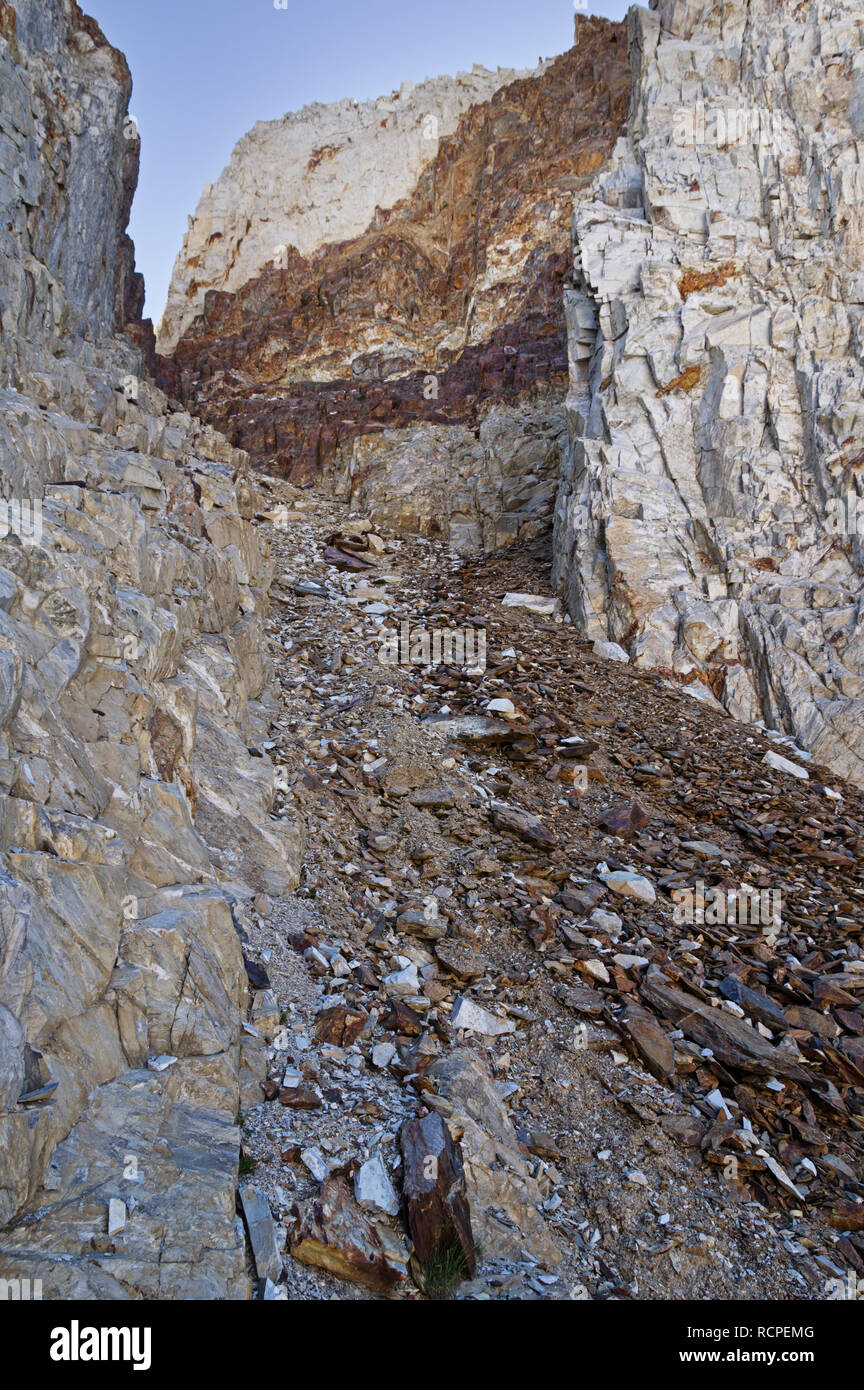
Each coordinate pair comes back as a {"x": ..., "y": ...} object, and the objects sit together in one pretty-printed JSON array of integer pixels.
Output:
[{"x": 320, "y": 350}]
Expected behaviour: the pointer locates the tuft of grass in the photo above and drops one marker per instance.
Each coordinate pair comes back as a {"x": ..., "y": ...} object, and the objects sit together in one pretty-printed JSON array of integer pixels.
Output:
[
  {"x": 247, "y": 1165},
  {"x": 240, "y": 1118},
  {"x": 445, "y": 1268}
]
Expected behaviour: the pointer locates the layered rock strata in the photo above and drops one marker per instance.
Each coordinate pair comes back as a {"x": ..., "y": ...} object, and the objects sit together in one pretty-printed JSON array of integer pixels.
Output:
[
  {"x": 136, "y": 794},
  {"x": 315, "y": 177},
  {"x": 374, "y": 353}
]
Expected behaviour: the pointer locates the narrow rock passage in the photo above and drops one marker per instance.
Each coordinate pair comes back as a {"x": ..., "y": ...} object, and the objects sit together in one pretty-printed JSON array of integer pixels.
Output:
[{"x": 645, "y": 1107}]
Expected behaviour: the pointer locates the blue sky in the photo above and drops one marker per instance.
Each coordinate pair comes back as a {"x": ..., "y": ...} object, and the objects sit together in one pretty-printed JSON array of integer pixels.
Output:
[{"x": 207, "y": 70}]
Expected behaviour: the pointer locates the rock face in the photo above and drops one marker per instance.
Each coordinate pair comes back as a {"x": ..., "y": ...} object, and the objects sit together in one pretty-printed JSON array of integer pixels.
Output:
[
  {"x": 706, "y": 519},
  {"x": 134, "y": 819},
  {"x": 434, "y": 1189},
  {"x": 499, "y": 478},
  {"x": 338, "y": 164},
  {"x": 427, "y": 357},
  {"x": 67, "y": 266}
]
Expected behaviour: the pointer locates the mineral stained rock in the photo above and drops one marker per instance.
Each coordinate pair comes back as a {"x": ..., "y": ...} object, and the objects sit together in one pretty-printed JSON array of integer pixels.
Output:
[
  {"x": 333, "y": 1233},
  {"x": 342, "y": 163},
  {"x": 434, "y": 1188},
  {"x": 423, "y": 362}
]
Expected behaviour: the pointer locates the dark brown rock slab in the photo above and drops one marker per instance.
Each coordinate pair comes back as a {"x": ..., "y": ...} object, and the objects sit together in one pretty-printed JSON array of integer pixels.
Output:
[
  {"x": 651, "y": 1041},
  {"x": 439, "y": 1217}
]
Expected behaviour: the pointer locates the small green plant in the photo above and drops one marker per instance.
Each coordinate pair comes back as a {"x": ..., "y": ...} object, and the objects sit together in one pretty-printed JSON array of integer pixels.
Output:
[
  {"x": 445, "y": 1268},
  {"x": 247, "y": 1165},
  {"x": 240, "y": 1118}
]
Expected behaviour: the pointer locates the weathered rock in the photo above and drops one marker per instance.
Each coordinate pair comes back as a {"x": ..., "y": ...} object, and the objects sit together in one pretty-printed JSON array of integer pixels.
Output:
[
  {"x": 139, "y": 1138},
  {"x": 300, "y": 1097},
  {"x": 340, "y": 1025},
  {"x": 477, "y": 729},
  {"x": 624, "y": 821},
  {"x": 780, "y": 764},
  {"x": 334, "y": 1234},
  {"x": 626, "y": 884},
  {"x": 522, "y": 823},
  {"x": 420, "y": 355},
  {"x": 715, "y": 287},
  {"x": 462, "y": 961},
  {"x": 580, "y": 901},
  {"x": 502, "y": 1195},
  {"x": 475, "y": 1019},
  {"x": 135, "y": 796},
  {"x": 848, "y": 1216},
  {"x": 433, "y": 1186},
  {"x": 343, "y": 161},
  {"x": 373, "y": 1188},
  {"x": 733, "y": 1041},
  {"x": 651, "y": 1041},
  {"x": 262, "y": 1232}
]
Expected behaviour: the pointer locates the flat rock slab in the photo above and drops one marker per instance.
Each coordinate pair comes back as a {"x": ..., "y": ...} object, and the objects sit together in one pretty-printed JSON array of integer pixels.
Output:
[
  {"x": 733, "y": 1042},
  {"x": 138, "y": 1138},
  {"x": 262, "y": 1232},
  {"x": 373, "y": 1188},
  {"x": 477, "y": 728},
  {"x": 522, "y": 823},
  {"x": 651, "y": 1041},
  {"x": 462, "y": 961},
  {"x": 434, "y": 1189},
  {"x": 466, "y": 1014}
]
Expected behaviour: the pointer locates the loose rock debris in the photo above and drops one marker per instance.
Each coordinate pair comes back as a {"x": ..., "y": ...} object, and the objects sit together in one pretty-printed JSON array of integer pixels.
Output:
[{"x": 523, "y": 1038}]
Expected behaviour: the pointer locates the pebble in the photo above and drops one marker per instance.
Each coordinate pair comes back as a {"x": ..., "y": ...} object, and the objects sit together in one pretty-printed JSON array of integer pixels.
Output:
[
  {"x": 781, "y": 764},
  {"x": 610, "y": 651},
  {"x": 316, "y": 1163}
]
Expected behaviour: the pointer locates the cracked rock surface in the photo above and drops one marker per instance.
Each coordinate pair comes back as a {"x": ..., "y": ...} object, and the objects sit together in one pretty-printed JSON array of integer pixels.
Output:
[
  {"x": 135, "y": 793},
  {"x": 707, "y": 513}
]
